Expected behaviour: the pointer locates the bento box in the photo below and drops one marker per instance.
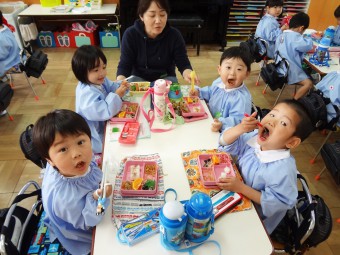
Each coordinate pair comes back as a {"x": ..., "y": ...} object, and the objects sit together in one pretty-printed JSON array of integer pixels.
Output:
[
  {"x": 193, "y": 107},
  {"x": 212, "y": 167},
  {"x": 140, "y": 178},
  {"x": 128, "y": 113},
  {"x": 139, "y": 86}
]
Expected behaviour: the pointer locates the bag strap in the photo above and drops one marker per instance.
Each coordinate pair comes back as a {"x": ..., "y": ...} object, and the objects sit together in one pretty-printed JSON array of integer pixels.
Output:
[
  {"x": 190, "y": 249},
  {"x": 150, "y": 116}
]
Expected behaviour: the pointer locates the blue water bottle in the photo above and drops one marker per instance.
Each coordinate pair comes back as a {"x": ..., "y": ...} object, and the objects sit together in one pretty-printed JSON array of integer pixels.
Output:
[
  {"x": 173, "y": 220},
  {"x": 200, "y": 218},
  {"x": 329, "y": 32}
]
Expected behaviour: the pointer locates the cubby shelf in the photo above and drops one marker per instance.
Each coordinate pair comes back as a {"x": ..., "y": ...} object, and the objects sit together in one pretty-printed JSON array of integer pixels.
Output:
[{"x": 245, "y": 15}]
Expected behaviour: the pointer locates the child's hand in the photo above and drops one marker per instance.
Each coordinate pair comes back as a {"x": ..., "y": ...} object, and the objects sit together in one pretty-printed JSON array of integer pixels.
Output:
[
  {"x": 108, "y": 191},
  {"x": 187, "y": 77},
  {"x": 122, "y": 88},
  {"x": 194, "y": 93},
  {"x": 230, "y": 183},
  {"x": 216, "y": 125},
  {"x": 249, "y": 123}
]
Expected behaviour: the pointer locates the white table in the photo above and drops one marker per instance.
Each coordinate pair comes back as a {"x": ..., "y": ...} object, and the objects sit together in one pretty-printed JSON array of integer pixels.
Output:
[{"x": 237, "y": 233}]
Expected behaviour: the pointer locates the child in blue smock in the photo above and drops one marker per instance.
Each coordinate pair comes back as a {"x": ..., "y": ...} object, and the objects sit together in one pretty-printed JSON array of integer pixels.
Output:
[
  {"x": 228, "y": 98},
  {"x": 330, "y": 86},
  {"x": 97, "y": 98},
  {"x": 9, "y": 50},
  {"x": 292, "y": 45},
  {"x": 268, "y": 27},
  {"x": 336, "y": 38},
  {"x": 71, "y": 180},
  {"x": 264, "y": 159}
]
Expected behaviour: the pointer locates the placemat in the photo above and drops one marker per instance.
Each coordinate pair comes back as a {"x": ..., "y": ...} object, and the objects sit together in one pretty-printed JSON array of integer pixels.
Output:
[{"x": 190, "y": 162}]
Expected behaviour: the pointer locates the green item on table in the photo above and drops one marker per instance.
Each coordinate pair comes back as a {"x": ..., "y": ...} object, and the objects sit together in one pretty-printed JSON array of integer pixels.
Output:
[
  {"x": 115, "y": 129},
  {"x": 218, "y": 115},
  {"x": 149, "y": 185}
]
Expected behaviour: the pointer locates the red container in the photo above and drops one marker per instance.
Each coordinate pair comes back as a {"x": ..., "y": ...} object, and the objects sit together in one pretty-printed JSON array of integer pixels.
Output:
[
  {"x": 128, "y": 113},
  {"x": 194, "y": 107}
]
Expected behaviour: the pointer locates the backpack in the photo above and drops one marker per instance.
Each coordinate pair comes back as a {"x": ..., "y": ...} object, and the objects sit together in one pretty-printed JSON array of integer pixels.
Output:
[
  {"x": 27, "y": 147},
  {"x": 316, "y": 105},
  {"x": 272, "y": 77},
  {"x": 36, "y": 64},
  {"x": 251, "y": 45},
  {"x": 297, "y": 221},
  {"x": 6, "y": 94}
]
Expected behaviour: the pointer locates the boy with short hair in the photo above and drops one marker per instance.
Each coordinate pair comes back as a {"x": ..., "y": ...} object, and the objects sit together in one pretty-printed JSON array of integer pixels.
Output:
[
  {"x": 267, "y": 167},
  {"x": 228, "y": 98},
  {"x": 70, "y": 190},
  {"x": 336, "y": 38}
]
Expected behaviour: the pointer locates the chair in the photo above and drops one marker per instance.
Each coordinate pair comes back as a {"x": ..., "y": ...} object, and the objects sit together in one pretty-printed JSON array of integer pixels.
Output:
[
  {"x": 24, "y": 56},
  {"x": 275, "y": 75},
  {"x": 304, "y": 226},
  {"x": 263, "y": 49},
  {"x": 189, "y": 22}
]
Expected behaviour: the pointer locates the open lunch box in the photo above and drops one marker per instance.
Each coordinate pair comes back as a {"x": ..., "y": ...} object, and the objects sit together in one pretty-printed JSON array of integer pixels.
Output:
[
  {"x": 212, "y": 167},
  {"x": 128, "y": 113},
  {"x": 192, "y": 107},
  {"x": 140, "y": 178},
  {"x": 139, "y": 86}
]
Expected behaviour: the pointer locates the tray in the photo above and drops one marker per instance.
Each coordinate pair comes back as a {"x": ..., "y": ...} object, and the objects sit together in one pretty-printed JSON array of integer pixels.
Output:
[
  {"x": 128, "y": 113},
  {"x": 214, "y": 166},
  {"x": 139, "y": 86},
  {"x": 136, "y": 169},
  {"x": 129, "y": 133},
  {"x": 194, "y": 107}
]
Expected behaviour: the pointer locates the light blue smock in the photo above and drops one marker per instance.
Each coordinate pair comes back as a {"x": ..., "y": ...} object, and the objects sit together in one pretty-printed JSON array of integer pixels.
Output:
[
  {"x": 232, "y": 104},
  {"x": 336, "y": 38},
  {"x": 268, "y": 29},
  {"x": 273, "y": 173},
  {"x": 330, "y": 86},
  {"x": 70, "y": 208},
  {"x": 9, "y": 50},
  {"x": 292, "y": 46},
  {"x": 97, "y": 104}
]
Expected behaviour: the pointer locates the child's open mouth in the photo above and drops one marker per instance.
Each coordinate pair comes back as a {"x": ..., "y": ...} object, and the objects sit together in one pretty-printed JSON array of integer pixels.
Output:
[
  {"x": 80, "y": 164},
  {"x": 264, "y": 134},
  {"x": 231, "y": 82}
]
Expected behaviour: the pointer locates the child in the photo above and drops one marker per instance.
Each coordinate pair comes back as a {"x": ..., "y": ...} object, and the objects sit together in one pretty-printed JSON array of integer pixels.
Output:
[
  {"x": 336, "y": 38},
  {"x": 71, "y": 180},
  {"x": 228, "y": 97},
  {"x": 268, "y": 169},
  {"x": 292, "y": 45},
  {"x": 97, "y": 98},
  {"x": 9, "y": 51},
  {"x": 268, "y": 27}
]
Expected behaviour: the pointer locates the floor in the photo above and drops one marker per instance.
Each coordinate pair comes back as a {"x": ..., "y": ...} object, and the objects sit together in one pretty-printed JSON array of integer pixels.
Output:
[{"x": 59, "y": 91}]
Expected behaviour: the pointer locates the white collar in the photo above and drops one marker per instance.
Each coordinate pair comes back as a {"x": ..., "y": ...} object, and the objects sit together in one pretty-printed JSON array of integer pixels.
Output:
[
  {"x": 77, "y": 176},
  {"x": 222, "y": 86},
  {"x": 270, "y": 155},
  {"x": 288, "y": 31}
]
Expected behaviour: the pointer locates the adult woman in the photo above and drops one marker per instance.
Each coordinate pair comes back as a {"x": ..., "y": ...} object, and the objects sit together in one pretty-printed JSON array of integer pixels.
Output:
[{"x": 151, "y": 48}]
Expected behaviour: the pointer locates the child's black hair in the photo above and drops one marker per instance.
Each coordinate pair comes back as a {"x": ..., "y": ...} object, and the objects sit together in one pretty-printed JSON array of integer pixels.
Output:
[
  {"x": 237, "y": 52},
  {"x": 1, "y": 18},
  {"x": 62, "y": 121},
  {"x": 305, "y": 126},
  {"x": 271, "y": 3},
  {"x": 86, "y": 58},
  {"x": 299, "y": 19},
  {"x": 337, "y": 12}
]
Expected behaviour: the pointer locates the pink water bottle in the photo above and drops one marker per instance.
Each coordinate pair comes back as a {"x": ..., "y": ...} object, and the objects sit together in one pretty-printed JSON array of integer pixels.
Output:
[{"x": 161, "y": 90}]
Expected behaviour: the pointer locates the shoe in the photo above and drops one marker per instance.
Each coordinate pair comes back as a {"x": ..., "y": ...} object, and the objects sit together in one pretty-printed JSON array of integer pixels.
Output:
[{"x": 3, "y": 113}]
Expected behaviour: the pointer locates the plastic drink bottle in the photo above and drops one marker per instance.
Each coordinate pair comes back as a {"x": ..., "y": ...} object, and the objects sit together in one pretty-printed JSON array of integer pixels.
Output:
[{"x": 161, "y": 90}]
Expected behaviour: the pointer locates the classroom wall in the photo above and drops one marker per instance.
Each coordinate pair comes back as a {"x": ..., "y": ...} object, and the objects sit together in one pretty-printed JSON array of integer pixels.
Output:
[
  {"x": 38, "y": 1},
  {"x": 321, "y": 13}
]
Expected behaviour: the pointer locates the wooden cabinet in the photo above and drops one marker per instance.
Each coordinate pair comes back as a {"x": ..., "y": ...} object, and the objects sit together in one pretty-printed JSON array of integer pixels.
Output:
[{"x": 245, "y": 15}]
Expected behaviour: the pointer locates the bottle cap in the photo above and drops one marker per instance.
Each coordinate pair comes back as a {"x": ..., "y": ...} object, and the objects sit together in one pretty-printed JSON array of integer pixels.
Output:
[
  {"x": 325, "y": 42},
  {"x": 200, "y": 206},
  {"x": 173, "y": 210}
]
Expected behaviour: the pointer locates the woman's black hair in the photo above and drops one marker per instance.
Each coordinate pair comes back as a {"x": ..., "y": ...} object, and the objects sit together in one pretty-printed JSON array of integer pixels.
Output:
[
  {"x": 86, "y": 58},
  {"x": 299, "y": 19},
  {"x": 271, "y": 3},
  {"x": 62, "y": 121},
  {"x": 143, "y": 6}
]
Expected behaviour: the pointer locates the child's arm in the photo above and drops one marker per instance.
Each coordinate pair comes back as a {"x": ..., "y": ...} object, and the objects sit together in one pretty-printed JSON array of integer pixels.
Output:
[
  {"x": 121, "y": 90},
  {"x": 247, "y": 124},
  {"x": 236, "y": 185}
]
